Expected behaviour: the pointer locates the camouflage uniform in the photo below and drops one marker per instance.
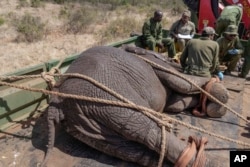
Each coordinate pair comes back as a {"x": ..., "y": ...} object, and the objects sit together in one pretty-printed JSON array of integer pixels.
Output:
[
  {"x": 152, "y": 34},
  {"x": 230, "y": 15},
  {"x": 200, "y": 57},
  {"x": 225, "y": 45},
  {"x": 246, "y": 64},
  {"x": 179, "y": 27}
]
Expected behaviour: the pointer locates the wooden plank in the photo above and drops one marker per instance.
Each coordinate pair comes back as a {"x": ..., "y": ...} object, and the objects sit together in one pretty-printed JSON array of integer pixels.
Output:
[{"x": 233, "y": 82}]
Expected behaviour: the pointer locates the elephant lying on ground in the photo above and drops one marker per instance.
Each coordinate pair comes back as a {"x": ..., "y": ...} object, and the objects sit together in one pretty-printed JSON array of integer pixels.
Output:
[{"x": 118, "y": 131}]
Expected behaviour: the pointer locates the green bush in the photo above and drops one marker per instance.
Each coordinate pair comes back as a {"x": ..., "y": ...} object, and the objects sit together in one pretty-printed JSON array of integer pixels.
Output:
[
  {"x": 120, "y": 28},
  {"x": 23, "y": 3},
  {"x": 1, "y": 21},
  {"x": 36, "y": 3},
  {"x": 30, "y": 28},
  {"x": 80, "y": 20}
]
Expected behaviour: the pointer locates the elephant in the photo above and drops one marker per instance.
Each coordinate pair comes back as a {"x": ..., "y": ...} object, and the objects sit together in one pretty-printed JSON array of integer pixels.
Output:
[{"x": 118, "y": 131}]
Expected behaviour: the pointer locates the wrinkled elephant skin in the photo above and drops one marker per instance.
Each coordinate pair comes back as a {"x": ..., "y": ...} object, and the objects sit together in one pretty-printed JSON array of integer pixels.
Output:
[{"x": 118, "y": 131}]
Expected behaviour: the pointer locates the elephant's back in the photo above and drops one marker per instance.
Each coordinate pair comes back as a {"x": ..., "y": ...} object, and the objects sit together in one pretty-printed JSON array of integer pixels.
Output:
[{"x": 119, "y": 70}]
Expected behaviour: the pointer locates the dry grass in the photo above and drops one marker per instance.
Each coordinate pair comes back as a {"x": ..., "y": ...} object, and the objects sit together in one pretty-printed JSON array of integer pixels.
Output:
[{"x": 60, "y": 40}]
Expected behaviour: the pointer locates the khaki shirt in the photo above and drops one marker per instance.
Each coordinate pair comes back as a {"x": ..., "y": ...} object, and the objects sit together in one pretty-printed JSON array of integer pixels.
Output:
[
  {"x": 183, "y": 28},
  {"x": 200, "y": 57},
  {"x": 232, "y": 12},
  {"x": 152, "y": 30},
  {"x": 226, "y": 45}
]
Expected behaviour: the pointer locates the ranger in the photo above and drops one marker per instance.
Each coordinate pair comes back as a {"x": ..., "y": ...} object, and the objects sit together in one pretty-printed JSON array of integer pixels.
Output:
[
  {"x": 230, "y": 15},
  {"x": 152, "y": 35},
  {"x": 182, "y": 26},
  {"x": 231, "y": 48},
  {"x": 200, "y": 56}
]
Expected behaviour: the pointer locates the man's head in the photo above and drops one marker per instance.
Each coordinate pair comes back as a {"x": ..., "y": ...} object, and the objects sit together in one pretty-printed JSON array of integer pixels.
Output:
[
  {"x": 158, "y": 15},
  {"x": 186, "y": 16},
  {"x": 231, "y": 32},
  {"x": 208, "y": 32}
]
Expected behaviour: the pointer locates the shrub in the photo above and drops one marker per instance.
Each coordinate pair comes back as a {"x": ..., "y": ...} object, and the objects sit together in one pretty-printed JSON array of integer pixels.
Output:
[
  {"x": 36, "y": 3},
  {"x": 1, "y": 21},
  {"x": 30, "y": 28},
  {"x": 80, "y": 20},
  {"x": 23, "y": 3},
  {"x": 120, "y": 28}
]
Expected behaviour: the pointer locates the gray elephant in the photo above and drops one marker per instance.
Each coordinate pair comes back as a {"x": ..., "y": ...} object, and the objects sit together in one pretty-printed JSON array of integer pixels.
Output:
[{"x": 118, "y": 131}]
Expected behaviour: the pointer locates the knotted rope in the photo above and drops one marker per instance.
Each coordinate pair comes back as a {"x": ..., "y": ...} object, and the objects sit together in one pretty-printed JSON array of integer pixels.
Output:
[
  {"x": 197, "y": 86},
  {"x": 188, "y": 153},
  {"x": 162, "y": 119},
  {"x": 203, "y": 98}
]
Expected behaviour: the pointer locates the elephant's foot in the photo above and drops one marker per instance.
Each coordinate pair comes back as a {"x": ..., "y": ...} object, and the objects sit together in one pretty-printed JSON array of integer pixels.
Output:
[{"x": 215, "y": 110}]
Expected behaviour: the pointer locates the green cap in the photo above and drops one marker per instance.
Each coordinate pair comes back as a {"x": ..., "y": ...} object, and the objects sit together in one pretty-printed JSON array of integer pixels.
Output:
[{"x": 231, "y": 30}]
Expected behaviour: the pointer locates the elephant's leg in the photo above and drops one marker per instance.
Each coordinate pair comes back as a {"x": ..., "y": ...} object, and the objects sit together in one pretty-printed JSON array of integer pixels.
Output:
[
  {"x": 180, "y": 102},
  {"x": 124, "y": 149},
  {"x": 124, "y": 133}
]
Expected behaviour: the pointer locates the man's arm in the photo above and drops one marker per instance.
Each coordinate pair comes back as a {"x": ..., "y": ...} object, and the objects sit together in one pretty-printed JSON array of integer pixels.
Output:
[
  {"x": 193, "y": 28},
  {"x": 146, "y": 31},
  {"x": 159, "y": 33},
  {"x": 239, "y": 46},
  {"x": 172, "y": 30},
  {"x": 215, "y": 61}
]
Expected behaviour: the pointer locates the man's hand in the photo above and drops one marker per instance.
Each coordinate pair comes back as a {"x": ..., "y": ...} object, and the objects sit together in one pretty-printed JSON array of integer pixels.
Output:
[
  {"x": 233, "y": 51},
  {"x": 220, "y": 75}
]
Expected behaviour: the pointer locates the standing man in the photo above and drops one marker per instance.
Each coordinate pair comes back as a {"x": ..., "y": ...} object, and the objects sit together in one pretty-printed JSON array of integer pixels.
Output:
[
  {"x": 200, "y": 56},
  {"x": 182, "y": 26},
  {"x": 230, "y": 15},
  {"x": 230, "y": 48},
  {"x": 152, "y": 35}
]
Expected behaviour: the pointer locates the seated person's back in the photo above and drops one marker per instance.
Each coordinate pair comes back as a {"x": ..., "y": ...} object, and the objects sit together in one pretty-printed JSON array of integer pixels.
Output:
[{"x": 200, "y": 56}]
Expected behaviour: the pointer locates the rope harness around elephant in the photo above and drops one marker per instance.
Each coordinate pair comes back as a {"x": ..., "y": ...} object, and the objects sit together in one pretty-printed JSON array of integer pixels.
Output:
[
  {"x": 188, "y": 153},
  {"x": 203, "y": 98},
  {"x": 162, "y": 119}
]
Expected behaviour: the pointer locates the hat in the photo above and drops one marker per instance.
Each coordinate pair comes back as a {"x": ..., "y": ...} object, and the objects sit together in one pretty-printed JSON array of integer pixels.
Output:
[
  {"x": 208, "y": 31},
  {"x": 231, "y": 30},
  {"x": 186, "y": 13}
]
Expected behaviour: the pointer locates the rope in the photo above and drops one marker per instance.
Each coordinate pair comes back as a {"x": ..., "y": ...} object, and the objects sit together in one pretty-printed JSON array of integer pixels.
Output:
[
  {"x": 203, "y": 99},
  {"x": 162, "y": 120},
  {"x": 50, "y": 79},
  {"x": 197, "y": 86},
  {"x": 188, "y": 153},
  {"x": 165, "y": 120}
]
